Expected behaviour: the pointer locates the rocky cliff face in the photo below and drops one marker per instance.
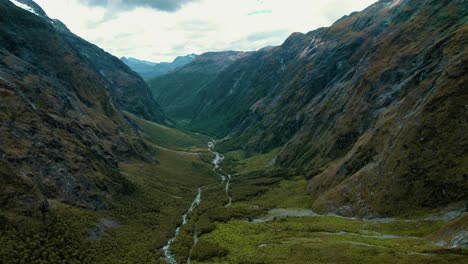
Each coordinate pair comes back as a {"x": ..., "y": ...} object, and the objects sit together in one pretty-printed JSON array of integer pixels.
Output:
[
  {"x": 62, "y": 131},
  {"x": 371, "y": 109}
]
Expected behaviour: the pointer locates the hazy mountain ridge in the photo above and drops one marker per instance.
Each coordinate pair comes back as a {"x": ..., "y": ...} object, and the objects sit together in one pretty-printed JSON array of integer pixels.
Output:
[
  {"x": 369, "y": 108},
  {"x": 149, "y": 70}
]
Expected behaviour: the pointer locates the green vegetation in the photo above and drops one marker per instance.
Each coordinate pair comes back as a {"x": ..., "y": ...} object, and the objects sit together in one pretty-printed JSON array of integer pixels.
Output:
[
  {"x": 181, "y": 92},
  {"x": 238, "y": 162},
  {"x": 319, "y": 239},
  {"x": 59, "y": 238},
  {"x": 370, "y": 123},
  {"x": 206, "y": 250},
  {"x": 210, "y": 212},
  {"x": 388, "y": 134},
  {"x": 165, "y": 191},
  {"x": 229, "y": 235},
  {"x": 169, "y": 137},
  {"x": 325, "y": 240},
  {"x": 146, "y": 217},
  {"x": 287, "y": 194}
]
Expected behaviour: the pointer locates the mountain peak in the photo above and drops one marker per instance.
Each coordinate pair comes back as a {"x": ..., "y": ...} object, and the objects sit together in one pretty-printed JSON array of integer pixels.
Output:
[
  {"x": 30, "y": 6},
  {"x": 149, "y": 70}
]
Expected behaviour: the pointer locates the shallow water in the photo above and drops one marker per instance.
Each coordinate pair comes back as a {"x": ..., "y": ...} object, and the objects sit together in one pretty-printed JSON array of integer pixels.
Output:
[
  {"x": 217, "y": 169},
  {"x": 280, "y": 212},
  {"x": 170, "y": 258}
]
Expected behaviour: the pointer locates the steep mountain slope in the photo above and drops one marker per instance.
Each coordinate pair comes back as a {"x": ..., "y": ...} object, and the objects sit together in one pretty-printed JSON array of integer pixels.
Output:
[
  {"x": 371, "y": 109},
  {"x": 127, "y": 89},
  {"x": 30, "y": 6},
  {"x": 62, "y": 130},
  {"x": 149, "y": 70},
  {"x": 178, "y": 91}
]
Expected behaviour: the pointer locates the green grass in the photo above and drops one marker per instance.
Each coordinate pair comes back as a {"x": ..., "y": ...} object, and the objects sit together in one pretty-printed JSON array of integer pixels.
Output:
[
  {"x": 148, "y": 214},
  {"x": 149, "y": 217},
  {"x": 237, "y": 162},
  {"x": 288, "y": 194},
  {"x": 169, "y": 137},
  {"x": 227, "y": 236},
  {"x": 315, "y": 240},
  {"x": 164, "y": 190},
  {"x": 181, "y": 123}
]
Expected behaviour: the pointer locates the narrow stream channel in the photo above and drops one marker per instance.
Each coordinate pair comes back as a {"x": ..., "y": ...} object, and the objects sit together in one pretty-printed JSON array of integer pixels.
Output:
[
  {"x": 218, "y": 170},
  {"x": 195, "y": 241},
  {"x": 170, "y": 258}
]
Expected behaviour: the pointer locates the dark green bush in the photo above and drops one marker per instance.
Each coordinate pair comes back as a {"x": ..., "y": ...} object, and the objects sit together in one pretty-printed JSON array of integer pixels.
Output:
[{"x": 205, "y": 250}]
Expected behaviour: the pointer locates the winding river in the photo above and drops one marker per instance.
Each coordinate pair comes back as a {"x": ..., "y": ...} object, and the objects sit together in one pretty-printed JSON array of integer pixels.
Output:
[
  {"x": 170, "y": 258},
  {"x": 218, "y": 170},
  {"x": 167, "y": 248}
]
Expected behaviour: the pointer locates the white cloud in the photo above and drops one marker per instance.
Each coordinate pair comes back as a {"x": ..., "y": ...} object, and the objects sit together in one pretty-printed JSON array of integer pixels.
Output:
[{"x": 197, "y": 27}]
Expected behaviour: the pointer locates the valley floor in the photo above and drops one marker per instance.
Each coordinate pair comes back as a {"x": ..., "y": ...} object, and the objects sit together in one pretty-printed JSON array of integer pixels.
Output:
[
  {"x": 269, "y": 220},
  {"x": 297, "y": 235}
]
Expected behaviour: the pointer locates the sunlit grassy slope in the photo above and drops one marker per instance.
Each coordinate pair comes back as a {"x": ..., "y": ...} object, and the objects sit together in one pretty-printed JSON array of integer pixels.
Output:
[
  {"x": 237, "y": 162},
  {"x": 169, "y": 137}
]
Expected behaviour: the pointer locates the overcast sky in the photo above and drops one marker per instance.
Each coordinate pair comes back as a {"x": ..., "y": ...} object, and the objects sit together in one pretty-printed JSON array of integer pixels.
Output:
[{"x": 160, "y": 30}]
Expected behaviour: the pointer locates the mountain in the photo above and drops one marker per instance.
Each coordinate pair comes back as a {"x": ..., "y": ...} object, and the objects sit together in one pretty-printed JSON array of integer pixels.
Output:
[
  {"x": 30, "y": 6},
  {"x": 178, "y": 91},
  {"x": 372, "y": 109},
  {"x": 149, "y": 70},
  {"x": 365, "y": 119},
  {"x": 62, "y": 127}
]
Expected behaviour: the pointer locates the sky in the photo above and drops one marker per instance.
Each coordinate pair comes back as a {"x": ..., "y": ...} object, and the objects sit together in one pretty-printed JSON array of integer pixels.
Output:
[{"x": 160, "y": 30}]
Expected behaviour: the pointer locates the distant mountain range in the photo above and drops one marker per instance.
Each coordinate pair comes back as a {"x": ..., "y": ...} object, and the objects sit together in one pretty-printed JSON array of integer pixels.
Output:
[{"x": 149, "y": 70}]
